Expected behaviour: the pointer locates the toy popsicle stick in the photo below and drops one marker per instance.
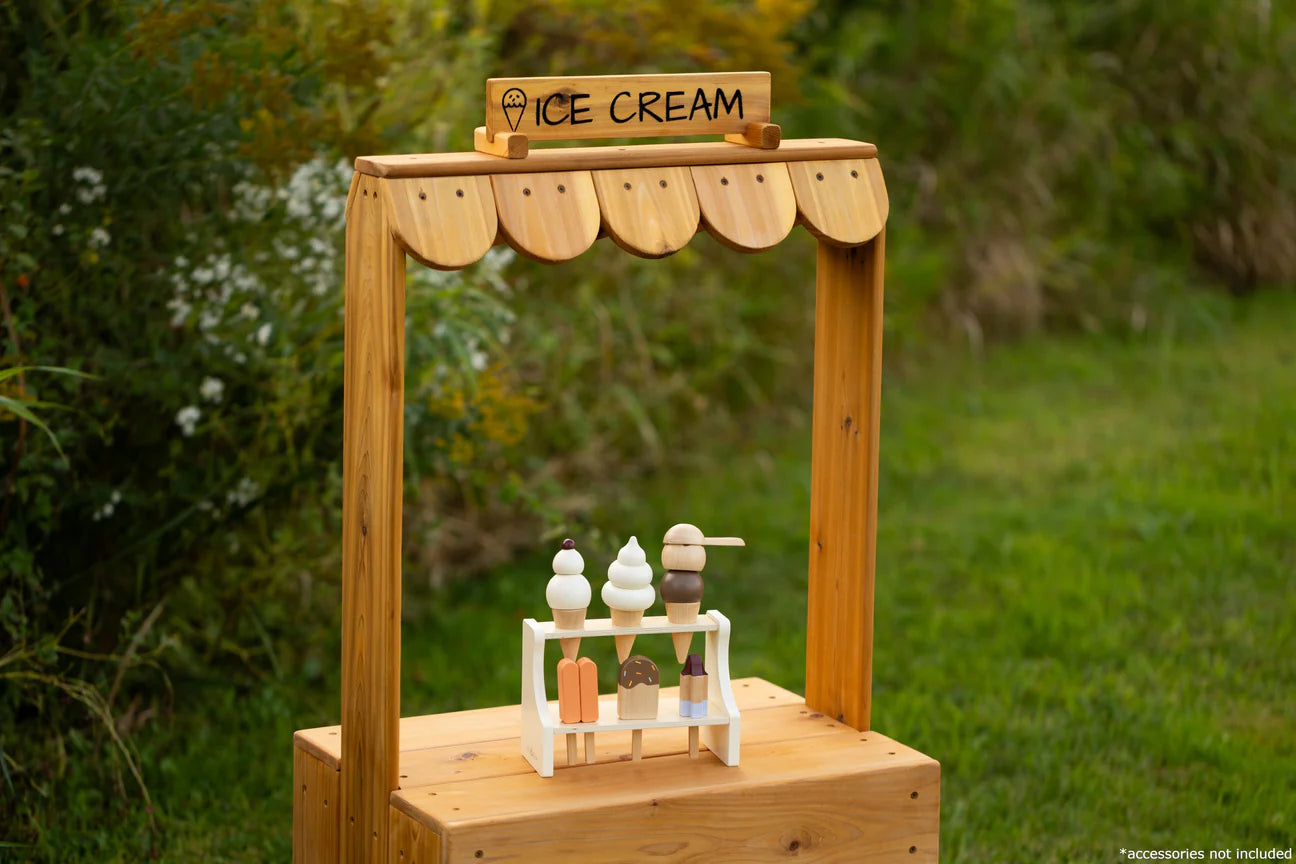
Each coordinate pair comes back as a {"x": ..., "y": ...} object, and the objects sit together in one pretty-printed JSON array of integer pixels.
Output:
[
  {"x": 571, "y": 748},
  {"x": 589, "y": 747},
  {"x": 636, "y": 745},
  {"x": 693, "y": 742}
]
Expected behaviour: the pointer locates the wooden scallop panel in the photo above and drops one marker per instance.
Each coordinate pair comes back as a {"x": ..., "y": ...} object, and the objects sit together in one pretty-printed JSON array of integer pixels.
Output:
[
  {"x": 549, "y": 217},
  {"x": 879, "y": 188},
  {"x": 836, "y": 200},
  {"x": 650, "y": 212},
  {"x": 442, "y": 222},
  {"x": 746, "y": 207}
]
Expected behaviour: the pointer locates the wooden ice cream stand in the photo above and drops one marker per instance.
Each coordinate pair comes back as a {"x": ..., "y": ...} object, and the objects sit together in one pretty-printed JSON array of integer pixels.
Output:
[{"x": 815, "y": 781}]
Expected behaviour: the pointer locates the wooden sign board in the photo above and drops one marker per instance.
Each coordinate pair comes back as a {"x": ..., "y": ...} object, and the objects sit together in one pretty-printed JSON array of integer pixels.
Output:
[{"x": 627, "y": 106}]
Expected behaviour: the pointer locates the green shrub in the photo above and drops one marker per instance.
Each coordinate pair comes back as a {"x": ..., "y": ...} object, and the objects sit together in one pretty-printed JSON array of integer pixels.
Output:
[{"x": 1067, "y": 164}]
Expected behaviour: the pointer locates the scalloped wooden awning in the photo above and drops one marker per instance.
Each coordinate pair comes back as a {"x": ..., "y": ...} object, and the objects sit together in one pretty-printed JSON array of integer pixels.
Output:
[{"x": 447, "y": 210}]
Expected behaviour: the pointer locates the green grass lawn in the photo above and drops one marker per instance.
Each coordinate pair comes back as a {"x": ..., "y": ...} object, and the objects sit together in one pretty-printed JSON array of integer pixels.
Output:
[{"x": 1085, "y": 606}]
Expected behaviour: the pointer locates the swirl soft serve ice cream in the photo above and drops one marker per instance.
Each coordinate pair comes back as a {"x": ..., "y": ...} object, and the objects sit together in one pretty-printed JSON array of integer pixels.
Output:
[{"x": 628, "y": 592}]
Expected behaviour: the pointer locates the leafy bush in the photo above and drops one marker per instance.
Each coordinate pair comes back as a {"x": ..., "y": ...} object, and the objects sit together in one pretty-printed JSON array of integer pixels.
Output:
[{"x": 1067, "y": 164}]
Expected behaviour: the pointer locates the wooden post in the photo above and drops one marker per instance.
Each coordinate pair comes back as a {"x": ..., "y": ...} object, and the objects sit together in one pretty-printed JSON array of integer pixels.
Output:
[
  {"x": 373, "y": 433},
  {"x": 844, "y": 479}
]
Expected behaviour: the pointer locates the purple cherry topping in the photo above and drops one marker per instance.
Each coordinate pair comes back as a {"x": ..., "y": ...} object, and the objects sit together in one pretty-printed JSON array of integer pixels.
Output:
[{"x": 569, "y": 543}]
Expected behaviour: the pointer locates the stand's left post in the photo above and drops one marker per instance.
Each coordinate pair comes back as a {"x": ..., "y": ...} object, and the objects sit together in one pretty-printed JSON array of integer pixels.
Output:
[{"x": 373, "y": 441}]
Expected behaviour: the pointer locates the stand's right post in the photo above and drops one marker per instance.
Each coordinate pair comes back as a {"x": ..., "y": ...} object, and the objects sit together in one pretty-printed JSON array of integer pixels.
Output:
[{"x": 844, "y": 479}]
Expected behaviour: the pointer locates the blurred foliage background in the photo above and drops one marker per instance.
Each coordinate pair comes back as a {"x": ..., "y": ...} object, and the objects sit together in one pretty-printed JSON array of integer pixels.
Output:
[{"x": 171, "y": 195}]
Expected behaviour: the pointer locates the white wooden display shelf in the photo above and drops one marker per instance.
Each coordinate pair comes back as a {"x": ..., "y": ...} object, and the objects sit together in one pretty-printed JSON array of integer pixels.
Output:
[{"x": 719, "y": 729}]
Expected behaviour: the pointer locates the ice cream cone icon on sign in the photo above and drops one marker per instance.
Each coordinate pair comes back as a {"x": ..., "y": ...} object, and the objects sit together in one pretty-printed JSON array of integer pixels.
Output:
[
  {"x": 513, "y": 102},
  {"x": 681, "y": 587}
]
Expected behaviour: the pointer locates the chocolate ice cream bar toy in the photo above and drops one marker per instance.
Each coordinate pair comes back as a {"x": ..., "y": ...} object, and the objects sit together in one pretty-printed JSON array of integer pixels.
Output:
[{"x": 683, "y": 556}]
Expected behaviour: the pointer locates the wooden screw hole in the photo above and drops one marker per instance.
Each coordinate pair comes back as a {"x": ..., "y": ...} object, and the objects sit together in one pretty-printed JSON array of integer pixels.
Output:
[
  {"x": 661, "y": 183},
  {"x": 458, "y": 193},
  {"x": 760, "y": 178},
  {"x": 422, "y": 196},
  {"x": 854, "y": 173},
  {"x": 404, "y": 776},
  {"x": 819, "y": 176},
  {"x": 526, "y": 192},
  {"x": 561, "y": 188},
  {"x": 913, "y": 849},
  {"x": 724, "y": 181},
  {"x": 303, "y": 788},
  {"x": 479, "y": 853},
  {"x": 375, "y": 835},
  {"x": 625, "y": 186},
  {"x": 794, "y": 845},
  {"x": 913, "y": 794},
  {"x": 352, "y": 820}
]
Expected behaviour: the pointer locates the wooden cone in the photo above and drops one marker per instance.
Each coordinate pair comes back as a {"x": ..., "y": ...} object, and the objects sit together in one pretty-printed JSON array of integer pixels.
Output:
[
  {"x": 682, "y": 613},
  {"x": 625, "y": 618},
  {"x": 569, "y": 619}
]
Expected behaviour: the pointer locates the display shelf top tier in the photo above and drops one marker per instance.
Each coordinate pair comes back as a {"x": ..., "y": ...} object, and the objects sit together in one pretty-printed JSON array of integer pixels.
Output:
[{"x": 604, "y": 627}]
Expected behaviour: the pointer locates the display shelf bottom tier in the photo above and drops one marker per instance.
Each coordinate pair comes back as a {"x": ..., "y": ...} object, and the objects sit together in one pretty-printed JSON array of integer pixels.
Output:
[{"x": 807, "y": 786}]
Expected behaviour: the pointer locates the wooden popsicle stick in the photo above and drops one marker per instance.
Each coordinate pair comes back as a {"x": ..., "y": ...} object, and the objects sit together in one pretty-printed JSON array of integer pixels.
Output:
[
  {"x": 589, "y": 747},
  {"x": 693, "y": 741},
  {"x": 571, "y": 748},
  {"x": 636, "y": 745}
]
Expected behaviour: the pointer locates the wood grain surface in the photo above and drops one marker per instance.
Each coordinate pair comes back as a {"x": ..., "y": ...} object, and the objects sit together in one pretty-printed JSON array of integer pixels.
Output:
[
  {"x": 836, "y": 201},
  {"x": 601, "y": 158},
  {"x": 372, "y": 440},
  {"x": 547, "y": 217},
  {"x": 649, "y": 212},
  {"x": 843, "y": 480},
  {"x": 317, "y": 809},
  {"x": 442, "y": 222},
  {"x": 748, "y": 208}
]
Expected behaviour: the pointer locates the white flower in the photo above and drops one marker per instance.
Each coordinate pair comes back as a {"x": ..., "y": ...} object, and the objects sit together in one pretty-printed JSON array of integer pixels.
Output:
[
  {"x": 92, "y": 187},
  {"x": 477, "y": 360},
  {"x": 203, "y": 275},
  {"x": 99, "y": 238},
  {"x": 263, "y": 334},
  {"x": 57, "y": 230},
  {"x": 87, "y": 174},
  {"x": 65, "y": 209},
  {"x": 243, "y": 493},
  {"x": 209, "y": 319},
  {"x": 180, "y": 309},
  {"x": 187, "y": 419},
  {"x": 212, "y": 389},
  {"x": 249, "y": 311}
]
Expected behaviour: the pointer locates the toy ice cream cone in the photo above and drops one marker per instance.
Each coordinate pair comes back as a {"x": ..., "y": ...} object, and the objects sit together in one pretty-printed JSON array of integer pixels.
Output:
[
  {"x": 682, "y": 613},
  {"x": 628, "y": 592},
  {"x": 568, "y": 593},
  {"x": 681, "y": 587}
]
